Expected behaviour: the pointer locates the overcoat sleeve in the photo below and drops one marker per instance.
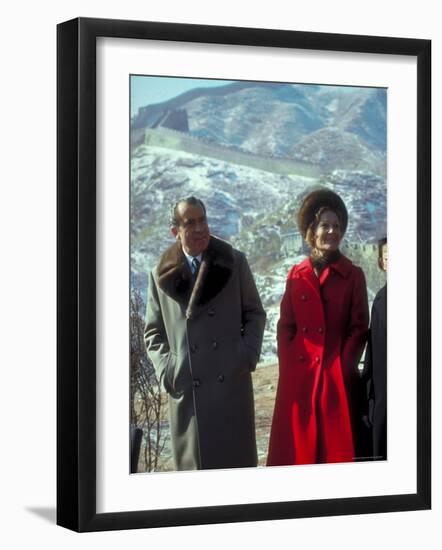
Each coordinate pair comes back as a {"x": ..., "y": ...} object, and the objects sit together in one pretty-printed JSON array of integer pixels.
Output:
[
  {"x": 155, "y": 336},
  {"x": 253, "y": 315}
]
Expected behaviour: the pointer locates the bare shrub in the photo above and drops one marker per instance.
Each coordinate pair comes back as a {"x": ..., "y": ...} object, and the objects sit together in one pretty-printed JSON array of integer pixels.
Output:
[{"x": 146, "y": 400}]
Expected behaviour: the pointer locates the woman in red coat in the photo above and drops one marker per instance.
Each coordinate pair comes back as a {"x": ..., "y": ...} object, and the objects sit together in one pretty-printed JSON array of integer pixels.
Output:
[{"x": 321, "y": 334}]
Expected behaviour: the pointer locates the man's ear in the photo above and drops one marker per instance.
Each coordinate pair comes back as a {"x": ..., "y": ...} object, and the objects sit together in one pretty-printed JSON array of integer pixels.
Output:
[{"x": 174, "y": 231}]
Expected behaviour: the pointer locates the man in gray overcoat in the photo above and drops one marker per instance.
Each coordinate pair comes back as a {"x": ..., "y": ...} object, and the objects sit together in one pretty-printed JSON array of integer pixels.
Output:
[{"x": 204, "y": 330}]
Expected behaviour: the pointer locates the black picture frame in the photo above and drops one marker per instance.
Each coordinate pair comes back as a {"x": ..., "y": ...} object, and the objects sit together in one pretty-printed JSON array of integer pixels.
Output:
[{"x": 76, "y": 274}]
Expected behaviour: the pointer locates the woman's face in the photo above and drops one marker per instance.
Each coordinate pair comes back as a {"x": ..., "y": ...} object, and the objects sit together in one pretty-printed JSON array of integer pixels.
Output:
[{"x": 328, "y": 232}]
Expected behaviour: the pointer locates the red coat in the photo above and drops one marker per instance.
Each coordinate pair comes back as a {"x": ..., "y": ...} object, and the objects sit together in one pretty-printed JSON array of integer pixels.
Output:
[{"x": 322, "y": 331}]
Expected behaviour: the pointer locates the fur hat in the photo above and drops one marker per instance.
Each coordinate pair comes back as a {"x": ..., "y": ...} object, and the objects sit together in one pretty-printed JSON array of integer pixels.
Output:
[{"x": 314, "y": 201}]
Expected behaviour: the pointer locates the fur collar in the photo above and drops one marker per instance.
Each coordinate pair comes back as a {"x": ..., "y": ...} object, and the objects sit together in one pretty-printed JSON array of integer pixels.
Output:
[{"x": 175, "y": 278}]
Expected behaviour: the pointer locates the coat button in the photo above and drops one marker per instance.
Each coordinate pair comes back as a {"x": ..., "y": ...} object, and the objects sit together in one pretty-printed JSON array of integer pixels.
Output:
[
  {"x": 320, "y": 330},
  {"x": 318, "y": 359},
  {"x": 211, "y": 312},
  {"x": 303, "y": 297},
  {"x": 304, "y": 329},
  {"x": 301, "y": 358},
  {"x": 196, "y": 383},
  {"x": 220, "y": 378},
  {"x": 193, "y": 348},
  {"x": 215, "y": 344}
]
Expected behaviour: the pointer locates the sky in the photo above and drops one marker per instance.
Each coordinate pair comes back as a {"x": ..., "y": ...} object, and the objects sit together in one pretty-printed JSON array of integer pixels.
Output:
[{"x": 146, "y": 90}]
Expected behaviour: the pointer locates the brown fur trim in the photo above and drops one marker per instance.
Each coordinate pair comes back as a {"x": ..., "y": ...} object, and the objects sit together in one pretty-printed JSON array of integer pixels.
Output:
[
  {"x": 174, "y": 275},
  {"x": 175, "y": 279}
]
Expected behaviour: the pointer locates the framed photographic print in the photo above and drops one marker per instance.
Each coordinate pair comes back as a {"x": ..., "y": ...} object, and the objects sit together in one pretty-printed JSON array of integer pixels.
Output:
[{"x": 231, "y": 399}]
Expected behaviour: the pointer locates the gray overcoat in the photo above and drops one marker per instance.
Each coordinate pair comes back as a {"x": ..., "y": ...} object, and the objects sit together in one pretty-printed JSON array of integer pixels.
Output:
[{"x": 204, "y": 341}]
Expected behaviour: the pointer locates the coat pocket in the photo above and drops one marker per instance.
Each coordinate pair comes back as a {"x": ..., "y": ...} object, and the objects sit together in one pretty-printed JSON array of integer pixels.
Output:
[
  {"x": 246, "y": 357},
  {"x": 170, "y": 373}
]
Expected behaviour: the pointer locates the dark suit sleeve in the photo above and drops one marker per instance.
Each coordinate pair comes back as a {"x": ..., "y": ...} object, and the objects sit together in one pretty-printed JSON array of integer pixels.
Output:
[
  {"x": 357, "y": 329},
  {"x": 357, "y": 332},
  {"x": 253, "y": 314},
  {"x": 367, "y": 377}
]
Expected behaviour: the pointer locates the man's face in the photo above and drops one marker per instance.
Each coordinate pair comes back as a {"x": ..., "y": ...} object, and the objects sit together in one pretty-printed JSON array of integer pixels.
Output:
[
  {"x": 193, "y": 230},
  {"x": 383, "y": 260}
]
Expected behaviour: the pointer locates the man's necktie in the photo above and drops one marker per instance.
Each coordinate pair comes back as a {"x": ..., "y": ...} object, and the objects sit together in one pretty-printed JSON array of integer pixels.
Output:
[{"x": 195, "y": 267}]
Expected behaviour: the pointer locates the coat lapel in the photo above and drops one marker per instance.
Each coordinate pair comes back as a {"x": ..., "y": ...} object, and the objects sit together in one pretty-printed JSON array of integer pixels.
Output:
[
  {"x": 306, "y": 272},
  {"x": 174, "y": 275},
  {"x": 342, "y": 266}
]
